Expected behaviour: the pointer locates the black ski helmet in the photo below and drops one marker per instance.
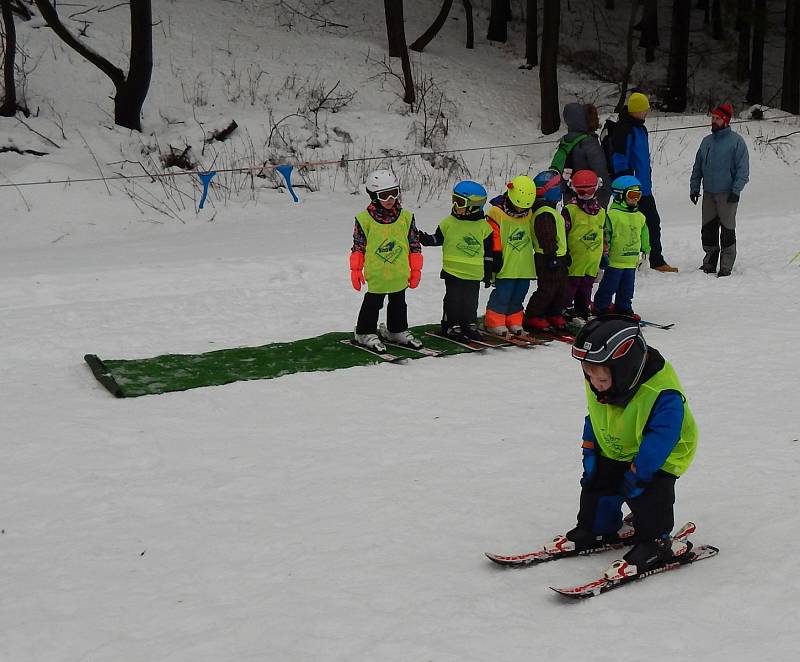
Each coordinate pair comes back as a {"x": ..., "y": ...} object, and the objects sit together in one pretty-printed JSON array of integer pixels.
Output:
[{"x": 615, "y": 341}]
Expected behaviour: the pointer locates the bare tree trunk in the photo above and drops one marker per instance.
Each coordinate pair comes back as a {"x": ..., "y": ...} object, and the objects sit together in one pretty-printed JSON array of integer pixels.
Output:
[
  {"x": 678, "y": 67},
  {"x": 790, "y": 95},
  {"x": 755, "y": 91},
  {"x": 532, "y": 33},
  {"x": 392, "y": 20},
  {"x": 131, "y": 89},
  {"x": 9, "y": 107},
  {"x": 426, "y": 37},
  {"x": 548, "y": 69},
  {"x": 498, "y": 21},
  {"x": 743, "y": 19},
  {"x": 396, "y": 31},
  {"x": 649, "y": 38},
  {"x": 630, "y": 59},
  {"x": 470, "y": 24},
  {"x": 717, "y": 29}
]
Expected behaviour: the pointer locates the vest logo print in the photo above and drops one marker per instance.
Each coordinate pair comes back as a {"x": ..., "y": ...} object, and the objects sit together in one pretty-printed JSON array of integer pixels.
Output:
[
  {"x": 389, "y": 251},
  {"x": 518, "y": 239},
  {"x": 469, "y": 245},
  {"x": 591, "y": 239}
]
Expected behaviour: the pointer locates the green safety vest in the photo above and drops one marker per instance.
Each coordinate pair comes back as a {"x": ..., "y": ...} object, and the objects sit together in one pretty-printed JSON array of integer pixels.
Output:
[
  {"x": 627, "y": 237},
  {"x": 585, "y": 241},
  {"x": 515, "y": 238},
  {"x": 561, "y": 231},
  {"x": 619, "y": 429},
  {"x": 386, "y": 267},
  {"x": 462, "y": 250}
]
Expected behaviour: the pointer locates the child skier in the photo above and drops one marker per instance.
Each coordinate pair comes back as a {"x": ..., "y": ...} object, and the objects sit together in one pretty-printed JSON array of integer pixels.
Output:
[
  {"x": 466, "y": 240},
  {"x": 386, "y": 255},
  {"x": 550, "y": 255},
  {"x": 638, "y": 438},
  {"x": 585, "y": 219},
  {"x": 510, "y": 218},
  {"x": 626, "y": 235}
]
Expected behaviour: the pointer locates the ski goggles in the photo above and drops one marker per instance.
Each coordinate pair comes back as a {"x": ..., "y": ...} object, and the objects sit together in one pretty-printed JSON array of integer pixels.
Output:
[
  {"x": 388, "y": 194},
  {"x": 632, "y": 196},
  {"x": 585, "y": 192},
  {"x": 468, "y": 200}
]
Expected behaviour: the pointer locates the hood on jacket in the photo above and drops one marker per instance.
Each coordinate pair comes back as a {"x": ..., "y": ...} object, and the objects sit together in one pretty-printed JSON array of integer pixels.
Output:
[{"x": 575, "y": 118}]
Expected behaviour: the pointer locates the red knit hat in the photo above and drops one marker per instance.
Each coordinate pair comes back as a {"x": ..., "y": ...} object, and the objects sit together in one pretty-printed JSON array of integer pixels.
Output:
[{"x": 724, "y": 111}]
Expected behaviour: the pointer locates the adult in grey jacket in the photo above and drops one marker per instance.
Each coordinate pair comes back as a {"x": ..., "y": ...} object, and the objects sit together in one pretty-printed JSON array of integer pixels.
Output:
[
  {"x": 722, "y": 165},
  {"x": 586, "y": 154}
]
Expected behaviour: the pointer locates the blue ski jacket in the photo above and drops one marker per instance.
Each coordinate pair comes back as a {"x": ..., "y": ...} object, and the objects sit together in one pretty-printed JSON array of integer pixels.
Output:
[
  {"x": 722, "y": 164},
  {"x": 631, "y": 151}
]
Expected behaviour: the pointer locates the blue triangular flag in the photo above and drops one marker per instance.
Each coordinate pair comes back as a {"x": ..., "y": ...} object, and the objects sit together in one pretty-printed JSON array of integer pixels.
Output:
[
  {"x": 206, "y": 178},
  {"x": 286, "y": 171}
]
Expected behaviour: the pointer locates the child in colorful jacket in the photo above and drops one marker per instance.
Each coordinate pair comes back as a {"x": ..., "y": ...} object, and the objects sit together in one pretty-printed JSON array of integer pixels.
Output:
[
  {"x": 387, "y": 255},
  {"x": 638, "y": 438},
  {"x": 510, "y": 218},
  {"x": 627, "y": 236},
  {"x": 585, "y": 218},
  {"x": 466, "y": 241},
  {"x": 550, "y": 255}
]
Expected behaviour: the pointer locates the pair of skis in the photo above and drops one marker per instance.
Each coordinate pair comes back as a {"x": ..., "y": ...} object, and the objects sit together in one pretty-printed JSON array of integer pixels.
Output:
[{"x": 602, "y": 584}]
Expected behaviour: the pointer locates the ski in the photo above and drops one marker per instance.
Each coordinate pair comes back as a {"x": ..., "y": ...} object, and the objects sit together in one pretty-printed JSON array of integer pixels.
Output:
[
  {"x": 424, "y": 351},
  {"x": 385, "y": 356},
  {"x": 520, "y": 340},
  {"x": 474, "y": 345},
  {"x": 603, "y": 585},
  {"x": 554, "y": 334},
  {"x": 666, "y": 327},
  {"x": 541, "y": 556}
]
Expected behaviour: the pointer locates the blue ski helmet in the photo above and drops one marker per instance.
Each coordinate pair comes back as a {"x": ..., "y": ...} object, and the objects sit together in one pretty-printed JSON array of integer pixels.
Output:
[
  {"x": 469, "y": 194},
  {"x": 548, "y": 185},
  {"x": 627, "y": 189}
]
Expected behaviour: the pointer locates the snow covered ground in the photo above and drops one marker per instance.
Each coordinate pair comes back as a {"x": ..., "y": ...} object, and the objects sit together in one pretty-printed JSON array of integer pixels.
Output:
[{"x": 344, "y": 516}]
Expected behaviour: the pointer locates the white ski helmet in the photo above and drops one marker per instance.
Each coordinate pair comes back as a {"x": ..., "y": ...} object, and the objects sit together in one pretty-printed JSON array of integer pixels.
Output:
[{"x": 382, "y": 180}]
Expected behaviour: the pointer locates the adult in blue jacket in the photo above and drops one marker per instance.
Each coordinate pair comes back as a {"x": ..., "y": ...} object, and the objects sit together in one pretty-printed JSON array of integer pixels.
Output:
[
  {"x": 722, "y": 165},
  {"x": 631, "y": 156}
]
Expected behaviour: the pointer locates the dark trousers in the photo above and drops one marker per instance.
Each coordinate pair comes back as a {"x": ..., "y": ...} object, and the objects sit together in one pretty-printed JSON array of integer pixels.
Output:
[
  {"x": 578, "y": 293},
  {"x": 460, "y": 305},
  {"x": 601, "y": 502},
  {"x": 617, "y": 283},
  {"x": 647, "y": 205},
  {"x": 396, "y": 312},
  {"x": 546, "y": 300}
]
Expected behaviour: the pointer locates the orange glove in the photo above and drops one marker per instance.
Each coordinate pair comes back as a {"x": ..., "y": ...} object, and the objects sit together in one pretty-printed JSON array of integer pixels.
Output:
[
  {"x": 357, "y": 270},
  {"x": 415, "y": 262}
]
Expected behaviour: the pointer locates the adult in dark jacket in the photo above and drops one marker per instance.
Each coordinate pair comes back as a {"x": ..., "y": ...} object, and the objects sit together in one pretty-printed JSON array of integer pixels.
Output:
[
  {"x": 631, "y": 156},
  {"x": 587, "y": 153},
  {"x": 722, "y": 165}
]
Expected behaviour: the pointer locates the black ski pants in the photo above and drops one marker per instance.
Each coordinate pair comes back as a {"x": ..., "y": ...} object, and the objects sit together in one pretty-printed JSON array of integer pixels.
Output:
[
  {"x": 396, "y": 312},
  {"x": 460, "y": 305},
  {"x": 602, "y": 499},
  {"x": 647, "y": 205}
]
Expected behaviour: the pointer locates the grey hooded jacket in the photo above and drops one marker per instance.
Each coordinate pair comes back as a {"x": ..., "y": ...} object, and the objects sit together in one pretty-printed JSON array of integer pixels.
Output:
[{"x": 587, "y": 154}]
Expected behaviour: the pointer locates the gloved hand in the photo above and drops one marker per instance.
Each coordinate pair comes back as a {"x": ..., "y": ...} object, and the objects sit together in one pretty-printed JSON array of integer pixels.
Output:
[
  {"x": 733, "y": 197},
  {"x": 589, "y": 466},
  {"x": 415, "y": 262},
  {"x": 425, "y": 239},
  {"x": 632, "y": 487},
  {"x": 551, "y": 263},
  {"x": 567, "y": 260},
  {"x": 357, "y": 270},
  {"x": 694, "y": 197},
  {"x": 604, "y": 262}
]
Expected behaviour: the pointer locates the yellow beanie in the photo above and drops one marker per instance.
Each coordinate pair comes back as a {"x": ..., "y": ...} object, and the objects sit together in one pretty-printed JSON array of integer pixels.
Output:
[{"x": 638, "y": 102}]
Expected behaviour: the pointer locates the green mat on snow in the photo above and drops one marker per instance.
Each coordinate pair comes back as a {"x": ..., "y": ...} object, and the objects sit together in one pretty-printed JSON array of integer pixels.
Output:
[{"x": 128, "y": 378}]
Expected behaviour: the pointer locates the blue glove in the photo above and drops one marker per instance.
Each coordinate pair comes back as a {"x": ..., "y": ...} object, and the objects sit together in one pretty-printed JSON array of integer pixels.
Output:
[
  {"x": 604, "y": 262},
  {"x": 632, "y": 487},
  {"x": 589, "y": 466},
  {"x": 733, "y": 197}
]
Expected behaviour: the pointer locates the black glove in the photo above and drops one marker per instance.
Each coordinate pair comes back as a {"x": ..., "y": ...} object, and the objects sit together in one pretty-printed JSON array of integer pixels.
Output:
[
  {"x": 733, "y": 197},
  {"x": 551, "y": 263},
  {"x": 567, "y": 260},
  {"x": 604, "y": 262},
  {"x": 694, "y": 197}
]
